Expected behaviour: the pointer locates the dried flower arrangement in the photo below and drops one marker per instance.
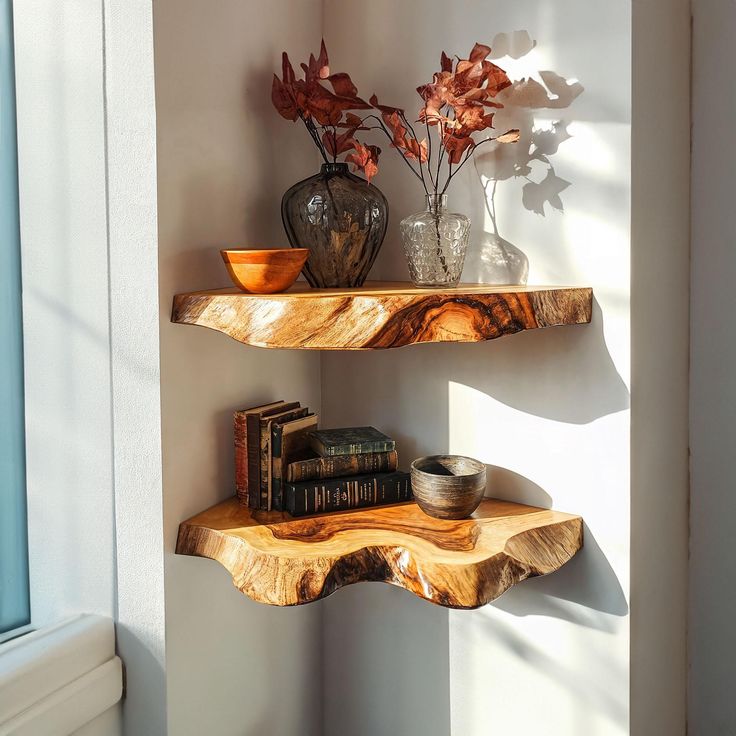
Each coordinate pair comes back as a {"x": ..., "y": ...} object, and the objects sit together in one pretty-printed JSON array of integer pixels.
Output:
[
  {"x": 325, "y": 113},
  {"x": 455, "y": 105}
]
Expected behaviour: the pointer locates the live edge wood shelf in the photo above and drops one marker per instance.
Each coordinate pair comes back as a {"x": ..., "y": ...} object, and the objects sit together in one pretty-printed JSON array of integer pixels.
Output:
[
  {"x": 381, "y": 315},
  {"x": 459, "y": 564}
]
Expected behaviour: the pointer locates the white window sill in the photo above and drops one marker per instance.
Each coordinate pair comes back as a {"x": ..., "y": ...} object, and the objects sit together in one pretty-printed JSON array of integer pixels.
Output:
[{"x": 54, "y": 681}]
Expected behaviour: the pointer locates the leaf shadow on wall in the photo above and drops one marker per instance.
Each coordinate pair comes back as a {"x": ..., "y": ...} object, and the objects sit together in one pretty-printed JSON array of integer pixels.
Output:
[{"x": 495, "y": 259}]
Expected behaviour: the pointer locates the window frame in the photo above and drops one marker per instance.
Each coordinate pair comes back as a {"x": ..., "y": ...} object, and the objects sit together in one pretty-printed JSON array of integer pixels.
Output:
[{"x": 16, "y": 572}]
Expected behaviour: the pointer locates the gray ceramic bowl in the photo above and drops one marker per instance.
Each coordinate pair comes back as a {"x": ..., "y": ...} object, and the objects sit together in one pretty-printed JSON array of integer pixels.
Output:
[{"x": 448, "y": 486}]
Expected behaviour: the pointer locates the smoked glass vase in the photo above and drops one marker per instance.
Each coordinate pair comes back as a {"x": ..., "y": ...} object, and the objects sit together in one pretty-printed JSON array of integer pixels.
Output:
[
  {"x": 341, "y": 219},
  {"x": 435, "y": 243}
]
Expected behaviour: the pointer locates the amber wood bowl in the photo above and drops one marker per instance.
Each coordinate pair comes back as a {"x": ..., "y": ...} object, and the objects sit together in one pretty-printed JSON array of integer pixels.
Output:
[
  {"x": 448, "y": 486},
  {"x": 264, "y": 271}
]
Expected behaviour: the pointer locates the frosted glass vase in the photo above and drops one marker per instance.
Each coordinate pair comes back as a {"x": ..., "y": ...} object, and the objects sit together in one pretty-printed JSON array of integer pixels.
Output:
[{"x": 435, "y": 243}]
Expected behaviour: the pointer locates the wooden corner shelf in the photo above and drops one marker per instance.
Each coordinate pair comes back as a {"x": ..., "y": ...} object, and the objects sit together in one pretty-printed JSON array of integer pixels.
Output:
[
  {"x": 381, "y": 315},
  {"x": 459, "y": 564}
]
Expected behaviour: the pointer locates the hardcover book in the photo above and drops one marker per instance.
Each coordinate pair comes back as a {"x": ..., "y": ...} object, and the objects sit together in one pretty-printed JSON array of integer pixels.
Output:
[
  {"x": 289, "y": 441},
  {"x": 266, "y": 423},
  {"x": 246, "y": 426},
  {"x": 350, "y": 441},
  {"x": 240, "y": 436},
  {"x": 341, "y": 494},
  {"x": 339, "y": 466}
]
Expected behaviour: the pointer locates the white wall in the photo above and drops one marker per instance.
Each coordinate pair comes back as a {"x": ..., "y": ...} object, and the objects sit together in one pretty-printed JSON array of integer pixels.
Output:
[
  {"x": 712, "y": 641},
  {"x": 135, "y": 374},
  {"x": 233, "y": 666},
  {"x": 660, "y": 229},
  {"x": 547, "y": 411}
]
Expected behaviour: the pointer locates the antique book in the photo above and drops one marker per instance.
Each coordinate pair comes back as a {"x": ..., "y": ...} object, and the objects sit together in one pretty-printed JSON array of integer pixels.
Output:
[
  {"x": 266, "y": 422},
  {"x": 340, "y": 494},
  {"x": 289, "y": 441},
  {"x": 338, "y": 466},
  {"x": 250, "y": 454},
  {"x": 350, "y": 441},
  {"x": 240, "y": 436}
]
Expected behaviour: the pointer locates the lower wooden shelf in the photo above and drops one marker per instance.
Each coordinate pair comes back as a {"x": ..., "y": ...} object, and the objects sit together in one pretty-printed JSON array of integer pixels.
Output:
[{"x": 459, "y": 564}]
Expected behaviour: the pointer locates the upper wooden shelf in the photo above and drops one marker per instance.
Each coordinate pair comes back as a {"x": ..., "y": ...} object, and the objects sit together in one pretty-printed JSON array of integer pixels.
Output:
[
  {"x": 381, "y": 315},
  {"x": 459, "y": 564}
]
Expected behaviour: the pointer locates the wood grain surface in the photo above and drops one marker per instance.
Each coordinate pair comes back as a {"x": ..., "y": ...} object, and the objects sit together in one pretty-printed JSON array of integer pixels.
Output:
[
  {"x": 381, "y": 315},
  {"x": 459, "y": 564}
]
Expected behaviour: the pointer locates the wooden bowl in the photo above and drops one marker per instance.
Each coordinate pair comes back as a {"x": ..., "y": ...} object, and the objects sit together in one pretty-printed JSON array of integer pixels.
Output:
[
  {"x": 448, "y": 486},
  {"x": 264, "y": 271}
]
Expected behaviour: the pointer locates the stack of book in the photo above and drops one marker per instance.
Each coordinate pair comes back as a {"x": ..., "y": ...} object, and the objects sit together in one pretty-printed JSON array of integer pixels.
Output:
[
  {"x": 284, "y": 463},
  {"x": 353, "y": 468},
  {"x": 265, "y": 436}
]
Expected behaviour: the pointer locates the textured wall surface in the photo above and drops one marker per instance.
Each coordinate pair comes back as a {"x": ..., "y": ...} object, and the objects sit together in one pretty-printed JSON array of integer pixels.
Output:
[
  {"x": 233, "y": 666},
  {"x": 660, "y": 217},
  {"x": 547, "y": 411},
  {"x": 135, "y": 369},
  {"x": 712, "y": 707}
]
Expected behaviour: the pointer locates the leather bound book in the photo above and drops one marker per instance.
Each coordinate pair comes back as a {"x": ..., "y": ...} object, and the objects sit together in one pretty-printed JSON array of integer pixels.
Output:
[
  {"x": 289, "y": 440},
  {"x": 339, "y": 466},
  {"x": 341, "y": 494},
  {"x": 266, "y": 423},
  {"x": 350, "y": 441},
  {"x": 240, "y": 436}
]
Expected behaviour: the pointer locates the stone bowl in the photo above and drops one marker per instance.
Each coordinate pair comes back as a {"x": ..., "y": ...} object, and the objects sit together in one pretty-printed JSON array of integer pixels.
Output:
[
  {"x": 264, "y": 271},
  {"x": 448, "y": 486}
]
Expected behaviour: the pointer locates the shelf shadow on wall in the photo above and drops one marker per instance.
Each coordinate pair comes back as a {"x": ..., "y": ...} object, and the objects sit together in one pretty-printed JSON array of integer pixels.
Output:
[
  {"x": 577, "y": 382},
  {"x": 577, "y": 592},
  {"x": 591, "y": 689},
  {"x": 588, "y": 581}
]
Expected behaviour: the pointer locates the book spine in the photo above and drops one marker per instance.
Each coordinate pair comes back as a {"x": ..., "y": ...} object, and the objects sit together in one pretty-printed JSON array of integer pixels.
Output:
[
  {"x": 265, "y": 441},
  {"x": 253, "y": 450},
  {"x": 240, "y": 435},
  {"x": 355, "y": 492},
  {"x": 264, "y": 452},
  {"x": 277, "y": 436},
  {"x": 338, "y": 466},
  {"x": 358, "y": 448}
]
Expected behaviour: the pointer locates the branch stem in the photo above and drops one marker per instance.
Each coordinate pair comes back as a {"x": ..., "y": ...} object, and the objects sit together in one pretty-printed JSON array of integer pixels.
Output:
[
  {"x": 405, "y": 159},
  {"x": 467, "y": 156},
  {"x": 311, "y": 128}
]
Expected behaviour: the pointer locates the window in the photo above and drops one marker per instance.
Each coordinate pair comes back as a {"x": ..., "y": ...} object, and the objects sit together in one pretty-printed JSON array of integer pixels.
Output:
[{"x": 14, "y": 593}]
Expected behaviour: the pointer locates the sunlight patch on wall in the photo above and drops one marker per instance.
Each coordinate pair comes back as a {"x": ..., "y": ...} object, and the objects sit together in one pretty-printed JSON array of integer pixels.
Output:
[
  {"x": 590, "y": 150},
  {"x": 498, "y": 644}
]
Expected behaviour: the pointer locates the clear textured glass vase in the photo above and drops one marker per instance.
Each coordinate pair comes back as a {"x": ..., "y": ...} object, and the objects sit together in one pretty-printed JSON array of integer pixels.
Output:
[{"x": 435, "y": 243}]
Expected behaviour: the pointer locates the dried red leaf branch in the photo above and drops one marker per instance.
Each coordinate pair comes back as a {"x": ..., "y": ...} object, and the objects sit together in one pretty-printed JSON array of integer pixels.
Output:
[
  {"x": 456, "y": 104},
  {"x": 324, "y": 111}
]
